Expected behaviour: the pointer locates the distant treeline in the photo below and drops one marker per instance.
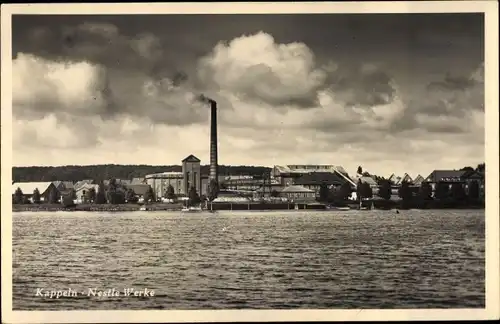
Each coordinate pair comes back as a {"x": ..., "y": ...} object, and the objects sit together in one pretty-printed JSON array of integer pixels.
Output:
[{"x": 110, "y": 171}]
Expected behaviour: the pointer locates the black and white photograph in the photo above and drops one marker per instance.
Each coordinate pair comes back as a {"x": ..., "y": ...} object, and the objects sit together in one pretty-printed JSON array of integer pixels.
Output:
[{"x": 288, "y": 161}]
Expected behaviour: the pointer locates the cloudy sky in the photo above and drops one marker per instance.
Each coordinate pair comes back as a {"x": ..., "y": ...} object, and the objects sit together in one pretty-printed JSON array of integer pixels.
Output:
[{"x": 390, "y": 92}]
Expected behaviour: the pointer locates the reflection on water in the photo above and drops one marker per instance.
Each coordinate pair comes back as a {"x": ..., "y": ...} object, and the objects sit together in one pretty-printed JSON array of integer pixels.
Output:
[{"x": 291, "y": 259}]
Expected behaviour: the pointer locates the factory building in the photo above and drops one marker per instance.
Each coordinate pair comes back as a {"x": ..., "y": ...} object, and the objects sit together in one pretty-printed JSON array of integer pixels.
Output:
[
  {"x": 160, "y": 182},
  {"x": 181, "y": 181}
]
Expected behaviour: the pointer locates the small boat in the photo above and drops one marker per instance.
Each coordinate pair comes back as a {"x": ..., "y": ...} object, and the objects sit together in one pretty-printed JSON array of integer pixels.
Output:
[
  {"x": 143, "y": 208},
  {"x": 191, "y": 209},
  {"x": 340, "y": 208}
]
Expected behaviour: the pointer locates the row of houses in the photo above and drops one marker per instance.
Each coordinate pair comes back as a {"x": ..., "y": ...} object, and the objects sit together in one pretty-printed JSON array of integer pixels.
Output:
[
  {"x": 79, "y": 189},
  {"x": 464, "y": 177}
]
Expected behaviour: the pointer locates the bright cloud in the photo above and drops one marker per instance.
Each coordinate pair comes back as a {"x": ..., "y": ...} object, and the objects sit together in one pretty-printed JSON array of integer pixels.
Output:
[{"x": 254, "y": 67}]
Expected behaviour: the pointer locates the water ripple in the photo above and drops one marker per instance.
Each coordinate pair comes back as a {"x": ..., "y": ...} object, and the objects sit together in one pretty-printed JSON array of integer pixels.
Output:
[{"x": 265, "y": 260}]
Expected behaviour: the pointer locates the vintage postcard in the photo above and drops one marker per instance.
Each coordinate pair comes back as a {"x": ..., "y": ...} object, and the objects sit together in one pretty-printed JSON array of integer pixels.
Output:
[{"x": 250, "y": 162}]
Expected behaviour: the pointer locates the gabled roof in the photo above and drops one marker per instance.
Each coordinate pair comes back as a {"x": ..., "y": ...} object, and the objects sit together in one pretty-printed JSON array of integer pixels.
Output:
[
  {"x": 87, "y": 186},
  {"x": 57, "y": 183},
  {"x": 295, "y": 188},
  {"x": 65, "y": 184},
  {"x": 80, "y": 183},
  {"x": 444, "y": 175},
  {"x": 406, "y": 178},
  {"x": 368, "y": 180},
  {"x": 418, "y": 180},
  {"x": 396, "y": 179},
  {"x": 346, "y": 177},
  {"x": 28, "y": 187},
  {"x": 191, "y": 158}
]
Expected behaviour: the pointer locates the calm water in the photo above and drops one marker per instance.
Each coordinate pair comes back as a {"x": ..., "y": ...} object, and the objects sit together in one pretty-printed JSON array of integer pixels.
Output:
[{"x": 292, "y": 259}]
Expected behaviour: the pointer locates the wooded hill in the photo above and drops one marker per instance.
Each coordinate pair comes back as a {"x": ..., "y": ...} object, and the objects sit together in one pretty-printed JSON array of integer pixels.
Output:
[{"x": 108, "y": 171}]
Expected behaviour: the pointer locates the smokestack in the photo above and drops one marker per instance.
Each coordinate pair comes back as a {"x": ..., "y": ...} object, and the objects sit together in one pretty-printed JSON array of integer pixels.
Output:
[
  {"x": 213, "y": 141},
  {"x": 213, "y": 136}
]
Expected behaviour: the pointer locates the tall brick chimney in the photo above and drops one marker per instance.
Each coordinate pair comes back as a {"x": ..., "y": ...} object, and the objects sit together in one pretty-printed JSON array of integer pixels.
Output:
[
  {"x": 213, "y": 141},
  {"x": 213, "y": 136}
]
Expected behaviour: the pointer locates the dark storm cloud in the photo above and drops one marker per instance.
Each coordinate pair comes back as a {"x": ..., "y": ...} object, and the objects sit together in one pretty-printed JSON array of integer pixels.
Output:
[
  {"x": 97, "y": 42},
  {"x": 348, "y": 36},
  {"x": 452, "y": 83},
  {"x": 367, "y": 86},
  {"x": 452, "y": 98},
  {"x": 162, "y": 52}
]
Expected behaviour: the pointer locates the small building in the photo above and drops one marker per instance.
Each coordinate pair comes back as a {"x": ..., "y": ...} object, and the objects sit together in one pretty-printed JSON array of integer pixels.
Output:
[
  {"x": 139, "y": 190},
  {"x": 448, "y": 176},
  {"x": 298, "y": 193},
  {"x": 81, "y": 192},
  {"x": 44, "y": 188},
  {"x": 445, "y": 176}
]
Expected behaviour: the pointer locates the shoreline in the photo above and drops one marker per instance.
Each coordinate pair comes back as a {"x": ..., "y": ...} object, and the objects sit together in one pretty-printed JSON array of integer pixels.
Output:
[
  {"x": 222, "y": 207},
  {"x": 94, "y": 208}
]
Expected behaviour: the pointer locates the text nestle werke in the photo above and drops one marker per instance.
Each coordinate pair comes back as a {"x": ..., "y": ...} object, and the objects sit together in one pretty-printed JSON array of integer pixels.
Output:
[{"x": 94, "y": 292}]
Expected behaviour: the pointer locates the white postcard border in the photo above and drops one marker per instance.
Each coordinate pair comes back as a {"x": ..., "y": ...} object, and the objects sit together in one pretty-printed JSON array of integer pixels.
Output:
[{"x": 492, "y": 248}]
